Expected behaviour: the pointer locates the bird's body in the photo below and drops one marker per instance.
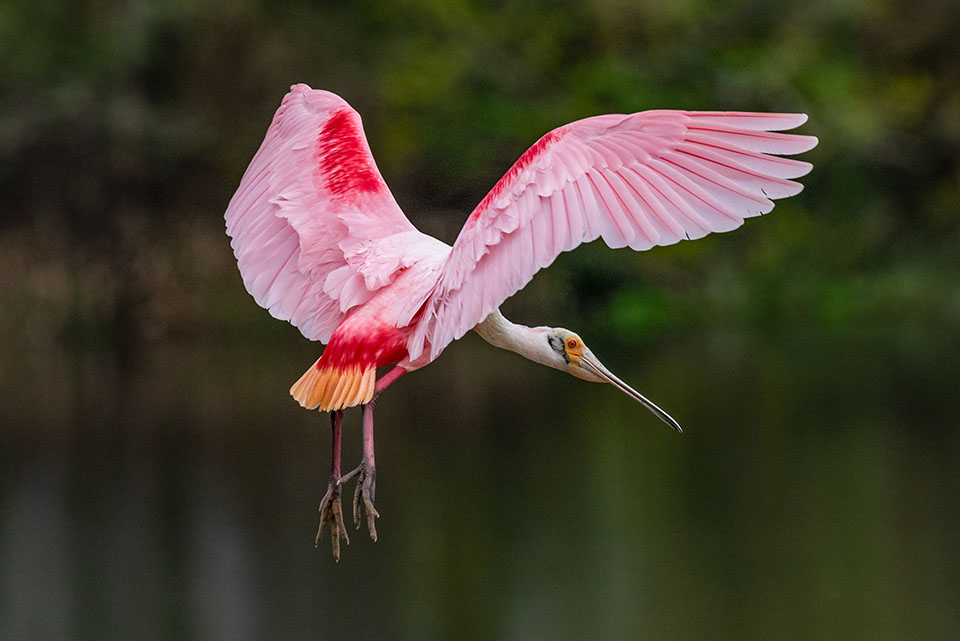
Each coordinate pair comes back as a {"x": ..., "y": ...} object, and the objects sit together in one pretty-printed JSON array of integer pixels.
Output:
[
  {"x": 322, "y": 243},
  {"x": 368, "y": 338}
]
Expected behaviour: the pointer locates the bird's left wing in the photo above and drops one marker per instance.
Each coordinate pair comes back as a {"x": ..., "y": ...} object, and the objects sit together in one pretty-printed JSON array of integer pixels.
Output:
[
  {"x": 313, "y": 225},
  {"x": 639, "y": 180}
]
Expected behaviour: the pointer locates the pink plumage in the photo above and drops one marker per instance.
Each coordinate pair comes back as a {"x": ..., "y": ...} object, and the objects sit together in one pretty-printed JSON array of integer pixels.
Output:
[
  {"x": 321, "y": 242},
  {"x": 310, "y": 202},
  {"x": 317, "y": 233},
  {"x": 651, "y": 178}
]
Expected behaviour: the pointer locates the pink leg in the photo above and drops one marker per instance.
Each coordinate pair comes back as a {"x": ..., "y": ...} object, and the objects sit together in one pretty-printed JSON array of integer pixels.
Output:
[
  {"x": 386, "y": 381},
  {"x": 365, "y": 492},
  {"x": 336, "y": 418},
  {"x": 331, "y": 510}
]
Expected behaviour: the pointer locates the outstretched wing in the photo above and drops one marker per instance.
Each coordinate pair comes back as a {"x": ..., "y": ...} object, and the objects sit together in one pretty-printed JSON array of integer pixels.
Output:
[
  {"x": 310, "y": 209},
  {"x": 650, "y": 178}
]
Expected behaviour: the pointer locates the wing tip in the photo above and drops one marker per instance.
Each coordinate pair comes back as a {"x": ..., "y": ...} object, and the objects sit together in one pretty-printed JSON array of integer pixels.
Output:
[
  {"x": 319, "y": 99},
  {"x": 804, "y": 143},
  {"x": 756, "y": 120}
]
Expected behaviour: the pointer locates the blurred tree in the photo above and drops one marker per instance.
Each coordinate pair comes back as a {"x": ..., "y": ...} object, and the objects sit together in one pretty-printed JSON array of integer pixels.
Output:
[{"x": 124, "y": 128}]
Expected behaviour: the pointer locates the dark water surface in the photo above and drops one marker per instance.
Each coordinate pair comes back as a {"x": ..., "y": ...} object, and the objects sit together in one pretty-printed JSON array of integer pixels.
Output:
[{"x": 814, "y": 495}]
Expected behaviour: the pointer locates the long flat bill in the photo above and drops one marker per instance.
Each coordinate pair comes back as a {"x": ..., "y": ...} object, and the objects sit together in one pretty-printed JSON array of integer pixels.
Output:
[{"x": 597, "y": 368}]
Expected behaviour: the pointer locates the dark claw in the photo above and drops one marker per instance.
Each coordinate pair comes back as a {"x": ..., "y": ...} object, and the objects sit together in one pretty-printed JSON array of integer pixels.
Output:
[{"x": 331, "y": 510}]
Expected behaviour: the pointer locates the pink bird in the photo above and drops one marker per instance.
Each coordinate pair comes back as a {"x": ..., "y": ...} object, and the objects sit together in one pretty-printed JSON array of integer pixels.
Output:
[{"x": 321, "y": 242}]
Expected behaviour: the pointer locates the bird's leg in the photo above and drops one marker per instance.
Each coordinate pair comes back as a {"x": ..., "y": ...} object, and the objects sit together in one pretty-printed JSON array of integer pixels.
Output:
[
  {"x": 331, "y": 510},
  {"x": 366, "y": 488},
  {"x": 366, "y": 472}
]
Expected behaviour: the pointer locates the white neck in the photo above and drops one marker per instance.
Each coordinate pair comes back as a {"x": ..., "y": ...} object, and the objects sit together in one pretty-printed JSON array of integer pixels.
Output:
[{"x": 529, "y": 342}]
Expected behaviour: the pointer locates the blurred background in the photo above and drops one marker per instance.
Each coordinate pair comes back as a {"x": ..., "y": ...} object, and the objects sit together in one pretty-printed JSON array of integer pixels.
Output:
[{"x": 157, "y": 482}]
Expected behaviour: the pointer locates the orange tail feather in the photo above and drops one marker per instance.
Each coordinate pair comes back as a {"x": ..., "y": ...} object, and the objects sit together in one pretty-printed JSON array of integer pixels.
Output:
[{"x": 331, "y": 388}]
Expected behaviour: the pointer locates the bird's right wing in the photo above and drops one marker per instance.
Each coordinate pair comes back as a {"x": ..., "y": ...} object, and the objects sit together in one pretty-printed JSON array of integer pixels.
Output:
[
  {"x": 650, "y": 178},
  {"x": 312, "y": 216}
]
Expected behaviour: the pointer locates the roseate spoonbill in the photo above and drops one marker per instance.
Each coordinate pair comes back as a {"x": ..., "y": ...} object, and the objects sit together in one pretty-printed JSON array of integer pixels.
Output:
[{"x": 321, "y": 242}]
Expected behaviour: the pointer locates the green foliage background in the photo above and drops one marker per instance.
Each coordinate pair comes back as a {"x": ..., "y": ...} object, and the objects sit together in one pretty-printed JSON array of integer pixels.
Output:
[{"x": 124, "y": 128}]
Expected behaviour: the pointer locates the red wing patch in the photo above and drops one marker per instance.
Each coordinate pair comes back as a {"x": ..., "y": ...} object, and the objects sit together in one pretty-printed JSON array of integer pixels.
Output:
[
  {"x": 522, "y": 163},
  {"x": 343, "y": 162}
]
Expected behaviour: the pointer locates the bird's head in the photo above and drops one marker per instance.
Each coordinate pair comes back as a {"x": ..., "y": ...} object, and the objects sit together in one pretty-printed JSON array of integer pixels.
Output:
[{"x": 570, "y": 354}]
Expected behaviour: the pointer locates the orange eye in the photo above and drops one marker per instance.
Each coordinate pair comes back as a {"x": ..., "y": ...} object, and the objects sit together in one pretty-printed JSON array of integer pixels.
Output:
[{"x": 572, "y": 343}]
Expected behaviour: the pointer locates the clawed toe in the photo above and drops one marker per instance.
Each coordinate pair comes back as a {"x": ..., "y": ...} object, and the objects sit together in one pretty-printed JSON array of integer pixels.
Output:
[
  {"x": 331, "y": 511},
  {"x": 363, "y": 497}
]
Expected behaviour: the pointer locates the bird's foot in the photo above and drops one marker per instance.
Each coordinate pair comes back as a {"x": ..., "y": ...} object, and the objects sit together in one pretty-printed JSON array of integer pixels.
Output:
[
  {"x": 363, "y": 496},
  {"x": 331, "y": 511}
]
